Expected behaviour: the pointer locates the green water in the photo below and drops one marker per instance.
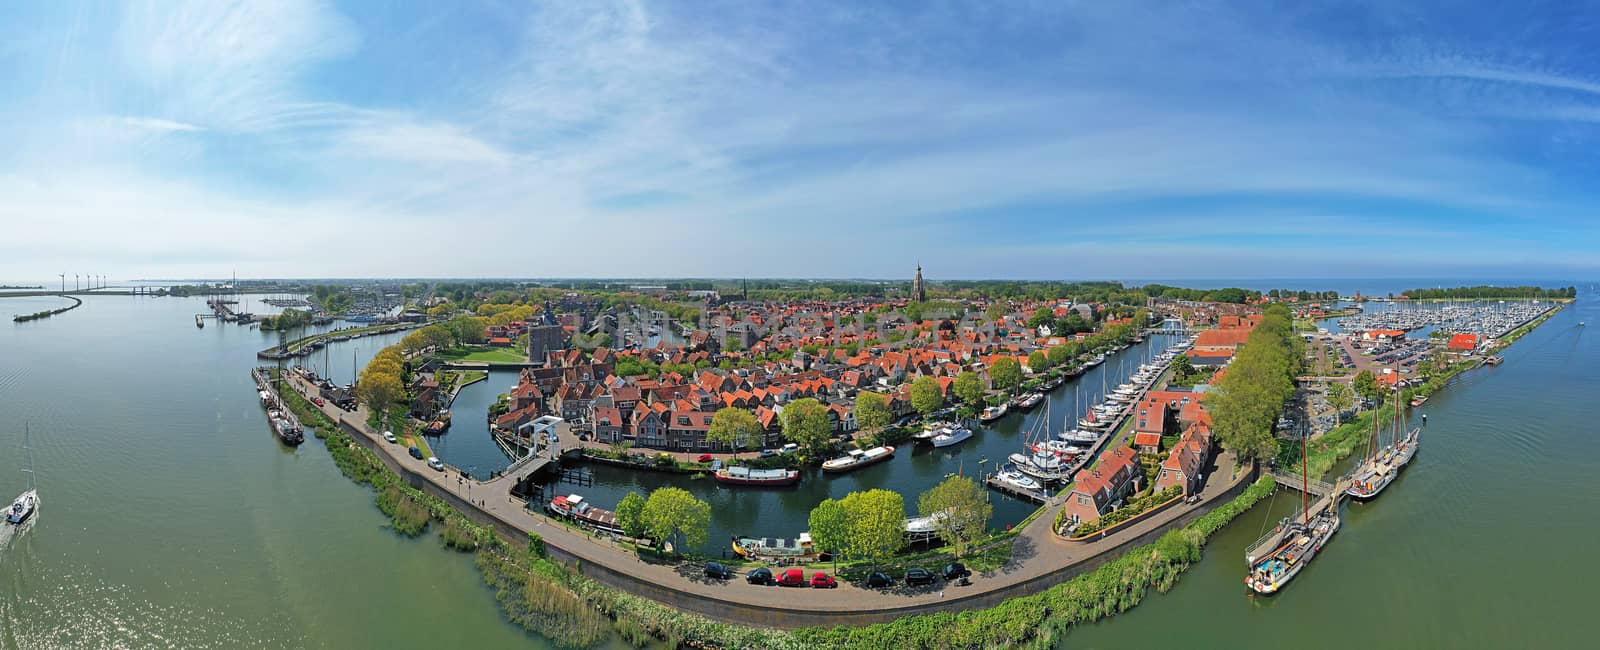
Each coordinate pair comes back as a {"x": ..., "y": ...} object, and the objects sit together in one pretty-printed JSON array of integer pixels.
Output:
[
  {"x": 172, "y": 518},
  {"x": 1481, "y": 543}
]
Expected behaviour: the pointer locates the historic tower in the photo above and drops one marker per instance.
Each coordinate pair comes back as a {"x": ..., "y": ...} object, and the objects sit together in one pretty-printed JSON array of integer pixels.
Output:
[{"x": 918, "y": 291}]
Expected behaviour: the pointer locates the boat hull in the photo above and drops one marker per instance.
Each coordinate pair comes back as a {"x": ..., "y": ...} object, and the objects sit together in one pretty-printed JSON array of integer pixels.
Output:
[{"x": 793, "y": 478}]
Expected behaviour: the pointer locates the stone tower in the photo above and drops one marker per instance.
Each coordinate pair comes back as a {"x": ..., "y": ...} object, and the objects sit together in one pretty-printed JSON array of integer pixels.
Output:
[{"x": 918, "y": 291}]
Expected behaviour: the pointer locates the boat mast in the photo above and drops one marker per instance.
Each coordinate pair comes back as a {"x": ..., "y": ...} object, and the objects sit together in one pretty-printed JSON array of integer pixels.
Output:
[
  {"x": 1305, "y": 481},
  {"x": 27, "y": 449}
]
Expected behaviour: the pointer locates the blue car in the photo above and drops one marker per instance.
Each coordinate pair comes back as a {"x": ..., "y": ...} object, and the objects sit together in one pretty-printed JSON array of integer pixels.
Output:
[{"x": 416, "y": 453}]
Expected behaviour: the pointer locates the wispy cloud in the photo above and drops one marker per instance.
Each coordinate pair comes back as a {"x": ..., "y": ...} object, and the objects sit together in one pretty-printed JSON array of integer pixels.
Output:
[{"x": 834, "y": 139}]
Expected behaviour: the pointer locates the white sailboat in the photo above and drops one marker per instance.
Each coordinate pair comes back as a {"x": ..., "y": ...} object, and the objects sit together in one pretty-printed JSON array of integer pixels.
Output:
[{"x": 28, "y": 502}]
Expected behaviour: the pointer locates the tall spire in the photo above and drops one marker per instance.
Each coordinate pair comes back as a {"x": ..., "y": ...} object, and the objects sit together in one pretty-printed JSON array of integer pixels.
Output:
[{"x": 919, "y": 292}]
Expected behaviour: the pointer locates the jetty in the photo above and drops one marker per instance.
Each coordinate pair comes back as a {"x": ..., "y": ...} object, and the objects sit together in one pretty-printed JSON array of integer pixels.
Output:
[{"x": 1036, "y": 496}]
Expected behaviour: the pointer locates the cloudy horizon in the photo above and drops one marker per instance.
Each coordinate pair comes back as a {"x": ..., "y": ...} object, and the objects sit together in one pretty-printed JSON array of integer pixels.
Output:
[{"x": 830, "y": 140}]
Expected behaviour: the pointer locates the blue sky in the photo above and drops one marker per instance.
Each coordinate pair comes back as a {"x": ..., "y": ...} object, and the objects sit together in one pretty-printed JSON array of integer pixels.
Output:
[{"x": 1027, "y": 139}]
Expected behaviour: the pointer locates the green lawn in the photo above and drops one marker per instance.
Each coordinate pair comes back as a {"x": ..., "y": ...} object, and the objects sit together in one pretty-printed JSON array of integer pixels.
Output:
[{"x": 484, "y": 354}]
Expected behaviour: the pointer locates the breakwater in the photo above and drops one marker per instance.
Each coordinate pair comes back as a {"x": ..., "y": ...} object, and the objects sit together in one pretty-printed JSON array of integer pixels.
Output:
[{"x": 23, "y": 318}]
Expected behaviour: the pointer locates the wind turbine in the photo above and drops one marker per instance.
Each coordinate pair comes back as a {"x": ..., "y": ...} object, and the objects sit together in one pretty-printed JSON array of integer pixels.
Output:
[{"x": 63, "y": 282}]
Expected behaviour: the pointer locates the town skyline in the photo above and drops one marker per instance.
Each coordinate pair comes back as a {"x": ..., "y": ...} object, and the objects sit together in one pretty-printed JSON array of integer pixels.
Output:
[{"x": 669, "y": 139}]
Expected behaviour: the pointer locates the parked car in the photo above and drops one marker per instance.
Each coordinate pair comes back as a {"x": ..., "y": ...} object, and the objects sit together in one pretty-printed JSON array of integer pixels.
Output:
[
  {"x": 434, "y": 462},
  {"x": 820, "y": 580},
  {"x": 879, "y": 580},
  {"x": 768, "y": 453},
  {"x": 704, "y": 458},
  {"x": 416, "y": 453},
  {"x": 793, "y": 578},
  {"x": 956, "y": 571},
  {"x": 388, "y": 436},
  {"x": 762, "y": 576},
  {"x": 718, "y": 571},
  {"x": 790, "y": 448},
  {"x": 919, "y": 576},
  {"x": 317, "y": 400}
]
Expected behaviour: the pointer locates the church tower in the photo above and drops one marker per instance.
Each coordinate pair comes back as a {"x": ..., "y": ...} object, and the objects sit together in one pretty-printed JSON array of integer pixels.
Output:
[{"x": 918, "y": 291}]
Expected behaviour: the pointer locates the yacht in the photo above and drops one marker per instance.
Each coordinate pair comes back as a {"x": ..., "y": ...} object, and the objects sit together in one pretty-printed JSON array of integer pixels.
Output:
[
  {"x": 741, "y": 475},
  {"x": 1079, "y": 436},
  {"x": 952, "y": 436},
  {"x": 856, "y": 459},
  {"x": 1017, "y": 480}
]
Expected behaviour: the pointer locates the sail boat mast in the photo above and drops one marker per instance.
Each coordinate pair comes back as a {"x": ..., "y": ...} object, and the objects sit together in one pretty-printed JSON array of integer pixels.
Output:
[{"x": 27, "y": 448}]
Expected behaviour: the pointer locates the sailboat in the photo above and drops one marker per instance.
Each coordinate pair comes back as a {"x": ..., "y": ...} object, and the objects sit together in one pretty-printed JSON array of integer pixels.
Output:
[
  {"x": 1294, "y": 544},
  {"x": 1073, "y": 434},
  {"x": 1037, "y": 459},
  {"x": 1379, "y": 469},
  {"x": 28, "y": 501}
]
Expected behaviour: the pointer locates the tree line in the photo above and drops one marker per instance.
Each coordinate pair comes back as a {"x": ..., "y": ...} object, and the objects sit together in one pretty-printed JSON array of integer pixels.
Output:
[
  {"x": 1486, "y": 292},
  {"x": 1246, "y": 403}
]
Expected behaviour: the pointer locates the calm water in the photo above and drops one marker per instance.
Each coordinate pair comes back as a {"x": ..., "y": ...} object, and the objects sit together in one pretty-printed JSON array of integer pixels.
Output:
[
  {"x": 1479, "y": 544},
  {"x": 173, "y": 518}
]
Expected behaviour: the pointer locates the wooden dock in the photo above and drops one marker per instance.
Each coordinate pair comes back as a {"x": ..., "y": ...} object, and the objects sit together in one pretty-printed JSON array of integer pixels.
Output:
[{"x": 1035, "y": 496}]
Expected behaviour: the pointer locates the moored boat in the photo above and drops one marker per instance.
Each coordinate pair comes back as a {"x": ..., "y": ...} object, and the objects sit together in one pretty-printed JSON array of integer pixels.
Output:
[
  {"x": 993, "y": 413},
  {"x": 951, "y": 436},
  {"x": 573, "y": 507},
  {"x": 856, "y": 459},
  {"x": 740, "y": 475},
  {"x": 799, "y": 549},
  {"x": 1301, "y": 542}
]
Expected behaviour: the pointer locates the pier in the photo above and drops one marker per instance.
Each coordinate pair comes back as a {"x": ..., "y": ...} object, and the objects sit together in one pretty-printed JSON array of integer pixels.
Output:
[{"x": 1038, "y": 496}]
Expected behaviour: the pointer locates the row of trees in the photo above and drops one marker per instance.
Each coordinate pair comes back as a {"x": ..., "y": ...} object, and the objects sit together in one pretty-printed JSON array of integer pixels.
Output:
[
  {"x": 870, "y": 525},
  {"x": 1248, "y": 400},
  {"x": 668, "y": 514},
  {"x": 1485, "y": 292}
]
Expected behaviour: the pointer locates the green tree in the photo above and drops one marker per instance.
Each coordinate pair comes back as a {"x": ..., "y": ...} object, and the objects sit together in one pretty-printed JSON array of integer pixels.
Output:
[
  {"x": 1340, "y": 397},
  {"x": 830, "y": 528},
  {"x": 1006, "y": 374},
  {"x": 877, "y": 523},
  {"x": 630, "y": 515},
  {"x": 968, "y": 387},
  {"x": 734, "y": 427},
  {"x": 960, "y": 511},
  {"x": 673, "y": 513},
  {"x": 1366, "y": 385},
  {"x": 1058, "y": 356},
  {"x": 996, "y": 311},
  {"x": 872, "y": 411},
  {"x": 378, "y": 388},
  {"x": 467, "y": 330},
  {"x": 925, "y": 395},
  {"x": 1038, "y": 362},
  {"x": 805, "y": 423},
  {"x": 1182, "y": 366}
]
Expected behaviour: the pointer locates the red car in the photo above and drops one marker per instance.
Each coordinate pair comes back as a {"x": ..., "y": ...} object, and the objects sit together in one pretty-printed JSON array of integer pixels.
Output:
[
  {"x": 822, "y": 580},
  {"x": 317, "y": 401},
  {"x": 704, "y": 458},
  {"x": 793, "y": 578}
]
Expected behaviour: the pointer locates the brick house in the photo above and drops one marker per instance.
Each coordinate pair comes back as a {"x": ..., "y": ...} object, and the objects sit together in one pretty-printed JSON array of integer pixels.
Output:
[
  {"x": 1095, "y": 491},
  {"x": 1186, "y": 463}
]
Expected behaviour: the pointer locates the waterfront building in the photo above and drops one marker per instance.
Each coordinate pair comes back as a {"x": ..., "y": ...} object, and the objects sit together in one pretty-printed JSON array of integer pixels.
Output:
[
  {"x": 1186, "y": 462},
  {"x": 1096, "y": 490}
]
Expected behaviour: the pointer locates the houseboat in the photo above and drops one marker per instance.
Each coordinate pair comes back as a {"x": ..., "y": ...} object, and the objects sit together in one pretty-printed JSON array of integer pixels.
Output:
[
  {"x": 575, "y": 508},
  {"x": 857, "y": 459},
  {"x": 768, "y": 549},
  {"x": 740, "y": 475},
  {"x": 1493, "y": 360}
]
